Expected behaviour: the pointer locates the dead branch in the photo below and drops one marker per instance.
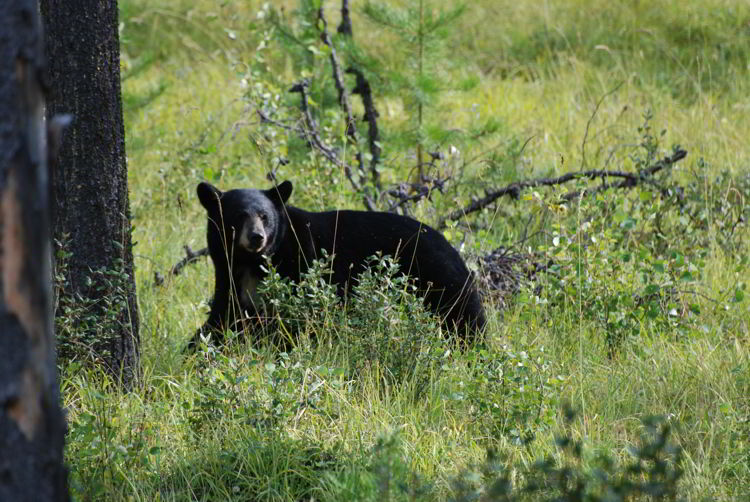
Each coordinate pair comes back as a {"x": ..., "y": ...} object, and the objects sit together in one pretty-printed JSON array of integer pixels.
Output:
[
  {"x": 190, "y": 257},
  {"x": 351, "y": 126},
  {"x": 362, "y": 87},
  {"x": 406, "y": 192},
  {"x": 312, "y": 135},
  {"x": 345, "y": 26},
  {"x": 630, "y": 180},
  {"x": 265, "y": 119},
  {"x": 503, "y": 272}
]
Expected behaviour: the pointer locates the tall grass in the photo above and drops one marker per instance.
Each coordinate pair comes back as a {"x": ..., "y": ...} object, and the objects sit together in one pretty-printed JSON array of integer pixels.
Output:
[{"x": 321, "y": 422}]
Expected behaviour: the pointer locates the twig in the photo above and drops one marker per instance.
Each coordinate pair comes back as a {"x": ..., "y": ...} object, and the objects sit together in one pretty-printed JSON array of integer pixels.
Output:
[
  {"x": 401, "y": 194},
  {"x": 414, "y": 192},
  {"x": 351, "y": 126},
  {"x": 591, "y": 119},
  {"x": 190, "y": 257},
  {"x": 311, "y": 133},
  {"x": 514, "y": 189},
  {"x": 698, "y": 293},
  {"x": 265, "y": 119}
]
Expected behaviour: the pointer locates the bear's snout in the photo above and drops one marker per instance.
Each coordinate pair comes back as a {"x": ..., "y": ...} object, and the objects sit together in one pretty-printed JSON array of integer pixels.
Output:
[
  {"x": 256, "y": 240},
  {"x": 253, "y": 236}
]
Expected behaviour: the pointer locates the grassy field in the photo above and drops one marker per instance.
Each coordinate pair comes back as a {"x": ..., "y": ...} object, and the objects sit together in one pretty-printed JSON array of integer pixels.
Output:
[{"x": 644, "y": 312}]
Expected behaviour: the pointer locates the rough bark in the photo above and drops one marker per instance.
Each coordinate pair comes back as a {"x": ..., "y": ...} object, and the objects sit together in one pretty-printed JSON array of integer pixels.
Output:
[
  {"x": 92, "y": 215},
  {"x": 32, "y": 428}
]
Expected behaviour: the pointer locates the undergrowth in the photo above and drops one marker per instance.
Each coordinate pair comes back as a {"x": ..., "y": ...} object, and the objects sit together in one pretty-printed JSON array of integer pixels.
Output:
[{"x": 640, "y": 309}]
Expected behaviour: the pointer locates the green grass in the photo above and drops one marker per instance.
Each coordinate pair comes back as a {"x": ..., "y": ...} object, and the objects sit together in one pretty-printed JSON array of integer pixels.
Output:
[{"x": 245, "y": 424}]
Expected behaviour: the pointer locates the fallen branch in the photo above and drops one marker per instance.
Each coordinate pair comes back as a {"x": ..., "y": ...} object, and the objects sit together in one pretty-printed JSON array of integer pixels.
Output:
[
  {"x": 503, "y": 272},
  {"x": 190, "y": 257},
  {"x": 631, "y": 179}
]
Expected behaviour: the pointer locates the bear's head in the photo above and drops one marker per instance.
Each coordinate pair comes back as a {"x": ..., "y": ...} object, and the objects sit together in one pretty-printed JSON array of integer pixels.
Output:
[{"x": 250, "y": 219}]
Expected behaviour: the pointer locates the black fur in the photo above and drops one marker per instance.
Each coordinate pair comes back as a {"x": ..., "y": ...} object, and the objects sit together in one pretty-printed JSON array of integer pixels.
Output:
[{"x": 245, "y": 224}]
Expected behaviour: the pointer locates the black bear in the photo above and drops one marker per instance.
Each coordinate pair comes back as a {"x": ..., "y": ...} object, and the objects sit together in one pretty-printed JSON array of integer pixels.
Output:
[{"x": 244, "y": 225}]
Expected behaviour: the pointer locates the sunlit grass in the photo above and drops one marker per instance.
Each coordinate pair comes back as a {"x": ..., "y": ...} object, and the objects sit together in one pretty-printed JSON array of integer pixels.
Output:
[{"x": 542, "y": 68}]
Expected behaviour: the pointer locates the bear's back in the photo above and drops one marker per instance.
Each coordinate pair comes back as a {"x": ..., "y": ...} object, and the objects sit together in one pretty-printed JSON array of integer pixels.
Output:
[{"x": 422, "y": 252}]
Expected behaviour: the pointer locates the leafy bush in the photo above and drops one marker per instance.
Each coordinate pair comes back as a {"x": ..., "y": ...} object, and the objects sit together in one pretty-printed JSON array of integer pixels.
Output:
[
  {"x": 304, "y": 308},
  {"x": 383, "y": 324},
  {"x": 632, "y": 262},
  {"x": 100, "y": 450},
  {"x": 389, "y": 331},
  {"x": 514, "y": 394},
  {"x": 653, "y": 474},
  {"x": 89, "y": 319}
]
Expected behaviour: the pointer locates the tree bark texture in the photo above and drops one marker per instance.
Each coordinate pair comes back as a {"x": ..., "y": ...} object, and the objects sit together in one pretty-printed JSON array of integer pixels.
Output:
[
  {"x": 90, "y": 190},
  {"x": 32, "y": 427}
]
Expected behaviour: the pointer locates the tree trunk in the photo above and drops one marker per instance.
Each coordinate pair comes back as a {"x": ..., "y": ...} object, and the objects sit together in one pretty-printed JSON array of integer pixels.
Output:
[
  {"x": 32, "y": 428},
  {"x": 90, "y": 191}
]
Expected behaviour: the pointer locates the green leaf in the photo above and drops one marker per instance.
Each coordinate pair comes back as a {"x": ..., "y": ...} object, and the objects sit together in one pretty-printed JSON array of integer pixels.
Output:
[{"x": 739, "y": 295}]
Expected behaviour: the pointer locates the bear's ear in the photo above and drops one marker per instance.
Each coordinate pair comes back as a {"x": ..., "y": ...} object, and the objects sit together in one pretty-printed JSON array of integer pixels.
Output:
[
  {"x": 280, "y": 193},
  {"x": 209, "y": 195}
]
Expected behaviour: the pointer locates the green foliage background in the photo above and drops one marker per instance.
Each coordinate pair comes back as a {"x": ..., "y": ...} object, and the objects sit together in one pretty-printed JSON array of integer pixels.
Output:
[{"x": 642, "y": 313}]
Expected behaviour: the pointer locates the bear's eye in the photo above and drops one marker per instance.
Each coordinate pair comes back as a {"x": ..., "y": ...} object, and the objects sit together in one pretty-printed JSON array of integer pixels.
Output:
[{"x": 263, "y": 217}]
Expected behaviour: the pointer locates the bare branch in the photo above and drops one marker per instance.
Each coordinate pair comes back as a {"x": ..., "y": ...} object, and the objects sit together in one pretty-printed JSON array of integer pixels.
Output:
[
  {"x": 351, "y": 126},
  {"x": 362, "y": 88},
  {"x": 514, "y": 189},
  {"x": 265, "y": 119},
  {"x": 631, "y": 179},
  {"x": 345, "y": 27},
  {"x": 190, "y": 257},
  {"x": 311, "y": 133}
]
